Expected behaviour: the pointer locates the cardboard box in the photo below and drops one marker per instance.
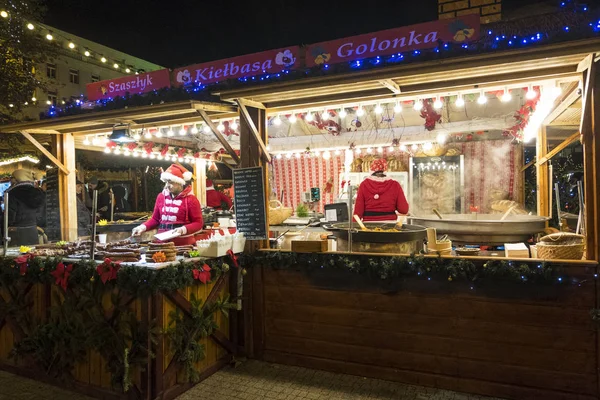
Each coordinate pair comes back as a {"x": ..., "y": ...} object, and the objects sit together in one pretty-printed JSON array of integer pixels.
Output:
[{"x": 309, "y": 246}]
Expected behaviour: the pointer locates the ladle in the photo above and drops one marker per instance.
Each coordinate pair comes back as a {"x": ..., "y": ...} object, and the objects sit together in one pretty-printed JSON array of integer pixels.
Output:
[
  {"x": 359, "y": 222},
  {"x": 507, "y": 212},
  {"x": 436, "y": 212}
]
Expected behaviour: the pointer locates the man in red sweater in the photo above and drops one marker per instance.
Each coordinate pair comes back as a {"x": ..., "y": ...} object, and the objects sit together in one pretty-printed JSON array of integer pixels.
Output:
[
  {"x": 379, "y": 197},
  {"x": 176, "y": 208},
  {"x": 214, "y": 198}
]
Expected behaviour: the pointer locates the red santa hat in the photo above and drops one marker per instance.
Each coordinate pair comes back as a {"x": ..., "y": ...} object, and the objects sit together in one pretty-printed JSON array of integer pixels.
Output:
[
  {"x": 209, "y": 184},
  {"x": 176, "y": 173},
  {"x": 379, "y": 165}
]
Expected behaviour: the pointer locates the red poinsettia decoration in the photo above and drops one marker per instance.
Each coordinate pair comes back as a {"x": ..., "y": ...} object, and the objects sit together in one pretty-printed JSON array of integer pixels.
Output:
[
  {"x": 132, "y": 146},
  {"x": 181, "y": 152},
  {"x": 196, "y": 155},
  {"x": 111, "y": 144},
  {"x": 328, "y": 186},
  {"x": 202, "y": 274},
  {"x": 522, "y": 117},
  {"x": 430, "y": 115},
  {"x": 148, "y": 147},
  {"x": 23, "y": 262},
  {"x": 328, "y": 125},
  {"x": 233, "y": 257},
  {"x": 164, "y": 150},
  {"x": 61, "y": 275},
  {"x": 108, "y": 270}
]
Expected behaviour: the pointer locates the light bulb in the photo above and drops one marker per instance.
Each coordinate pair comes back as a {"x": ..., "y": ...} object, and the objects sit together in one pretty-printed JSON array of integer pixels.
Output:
[
  {"x": 148, "y": 135},
  {"x": 144, "y": 155},
  {"x": 116, "y": 66},
  {"x": 71, "y": 45},
  {"x": 117, "y": 151},
  {"x": 427, "y": 146},
  {"x": 159, "y": 157},
  {"x": 49, "y": 36},
  {"x": 506, "y": 96},
  {"x": 343, "y": 113},
  {"x": 309, "y": 117},
  {"x": 402, "y": 147},
  {"x": 317, "y": 153},
  {"x": 152, "y": 156},
  {"x": 391, "y": 148},
  {"x": 326, "y": 155},
  {"x": 126, "y": 153},
  {"x": 278, "y": 156},
  {"x": 398, "y": 108},
  {"x": 170, "y": 132},
  {"x": 441, "y": 138},
  {"x": 288, "y": 155},
  {"x": 127, "y": 70},
  {"x": 460, "y": 102},
  {"x": 325, "y": 115},
  {"x": 103, "y": 59},
  {"x": 414, "y": 147},
  {"x": 233, "y": 125},
  {"x": 33, "y": 98},
  {"x": 357, "y": 151},
  {"x": 277, "y": 120},
  {"x": 369, "y": 150},
  {"x": 182, "y": 132},
  {"x": 206, "y": 129},
  {"x": 380, "y": 149},
  {"x": 106, "y": 150},
  {"x": 378, "y": 109},
  {"x": 135, "y": 153},
  {"x": 418, "y": 105},
  {"x": 194, "y": 130},
  {"x": 137, "y": 136},
  {"x": 482, "y": 99},
  {"x": 86, "y": 53},
  {"x": 437, "y": 104},
  {"x": 105, "y": 140},
  {"x": 180, "y": 159},
  {"x": 3, "y": 14},
  {"x": 292, "y": 119},
  {"x": 86, "y": 141},
  {"x": 360, "y": 112},
  {"x": 297, "y": 155},
  {"x": 337, "y": 152},
  {"x": 221, "y": 127},
  {"x": 11, "y": 105},
  {"x": 158, "y": 133},
  {"x": 94, "y": 141},
  {"x": 30, "y": 26},
  {"x": 531, "y": 94},
  {"x": 48, "y": 102}
]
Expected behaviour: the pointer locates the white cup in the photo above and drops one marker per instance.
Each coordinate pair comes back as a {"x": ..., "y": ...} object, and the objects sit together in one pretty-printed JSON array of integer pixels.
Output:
[
  {"x": 102, "y": 238},
  {"x": 223, "y": 222}
]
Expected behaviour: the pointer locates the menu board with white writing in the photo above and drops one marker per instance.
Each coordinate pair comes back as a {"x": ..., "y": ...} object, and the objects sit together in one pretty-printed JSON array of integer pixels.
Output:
[{"x": 249, "y": 198}]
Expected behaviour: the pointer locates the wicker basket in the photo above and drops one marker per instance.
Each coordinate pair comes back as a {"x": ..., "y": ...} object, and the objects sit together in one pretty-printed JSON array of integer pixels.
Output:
[
  {"x": 279, "y": 213},
  {"x": 561, "y": 246}
]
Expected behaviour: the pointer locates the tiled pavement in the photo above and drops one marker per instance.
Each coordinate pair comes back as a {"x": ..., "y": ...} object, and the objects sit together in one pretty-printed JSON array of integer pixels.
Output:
[{"x": 254, "y": 380}]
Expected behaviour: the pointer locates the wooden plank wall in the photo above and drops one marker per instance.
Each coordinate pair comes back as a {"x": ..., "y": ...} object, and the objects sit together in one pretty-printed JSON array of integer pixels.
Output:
[{"x": 514, "y": 346}]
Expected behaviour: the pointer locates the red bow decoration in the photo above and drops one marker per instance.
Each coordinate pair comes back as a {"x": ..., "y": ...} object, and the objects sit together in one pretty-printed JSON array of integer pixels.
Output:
[
  {"x": 61, "y": 275},
  {"x": 181, "y": 152},
  {"x": 108, "y": 270},
  {"x": 22, "y": 262},
  {"x": 202, "y": 274},
  {"x": 233, "y": 257},
  {"x": 164, "y": 150},
  {"x": 132, "y": 146},
  {"x": 148, "y": 147}
]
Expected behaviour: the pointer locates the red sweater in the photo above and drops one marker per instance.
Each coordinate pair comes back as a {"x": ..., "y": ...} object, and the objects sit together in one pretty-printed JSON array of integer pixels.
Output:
[
  {"x": 183, "y": 210},
  {"x": 214, "y": 198},
  {"x": 382, "y": 196}
]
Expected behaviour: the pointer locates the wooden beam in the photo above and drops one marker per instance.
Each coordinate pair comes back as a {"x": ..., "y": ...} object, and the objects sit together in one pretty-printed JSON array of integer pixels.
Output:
[
  {"x": 67, "y": 190},
  {"x": 558, "y": 148},
  {"x": 529, "y": 164},
  {"x": 200, "y": 182},
  {"x": 41, "y": 148},
  {"x": 591, "y": 157},
  {"x": 390, "y": 84},
  {"x": 586, "y": 98},
  {"x": 252, "y": 103},
  {"x": 562, "y": 106},
  {"x": 253, "y": 130},
  {"x": 219, "y": 136},
  {"x": 543, "y": 191},
  {"x": 585, "y": 64}
]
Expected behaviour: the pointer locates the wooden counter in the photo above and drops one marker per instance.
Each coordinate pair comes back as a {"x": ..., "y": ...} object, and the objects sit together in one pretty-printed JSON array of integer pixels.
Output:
[{"x": 499, "y": 338}]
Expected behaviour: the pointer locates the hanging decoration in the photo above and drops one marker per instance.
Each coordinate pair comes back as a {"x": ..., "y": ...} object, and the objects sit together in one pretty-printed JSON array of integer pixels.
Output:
[
  {"x": 202, "y": 274},
  {"x": 430, "y": 116},
  {"x": 522, "y": 117}
]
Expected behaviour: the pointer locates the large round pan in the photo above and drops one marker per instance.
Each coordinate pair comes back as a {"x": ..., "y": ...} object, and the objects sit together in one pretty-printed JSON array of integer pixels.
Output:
[{"x": 408, "y": 233}]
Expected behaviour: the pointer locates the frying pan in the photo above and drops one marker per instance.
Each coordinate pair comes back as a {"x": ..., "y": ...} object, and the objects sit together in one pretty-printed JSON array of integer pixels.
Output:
[{"x": 408, "y": 233}]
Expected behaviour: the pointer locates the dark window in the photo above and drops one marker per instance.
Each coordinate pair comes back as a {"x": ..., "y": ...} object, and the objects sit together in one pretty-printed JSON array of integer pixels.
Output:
[
  {"x": 95, "y": 78},
  {"x": 52, "y": 98},
  {"x": 51, "y": 71},
  {"x": 74, "y": 76}
]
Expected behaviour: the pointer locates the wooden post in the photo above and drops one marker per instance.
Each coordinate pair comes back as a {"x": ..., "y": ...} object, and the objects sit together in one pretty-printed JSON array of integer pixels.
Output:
[
  {"x": 199, "y": 187},
  {"x": 590, "y": 125},
  {"x": 67, "y": 189},
  {"x": 543, "y": 191}
]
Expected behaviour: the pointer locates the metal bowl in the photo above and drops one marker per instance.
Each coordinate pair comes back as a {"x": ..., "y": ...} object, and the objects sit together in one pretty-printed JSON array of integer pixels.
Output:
[{"x": 484, "y": 228}]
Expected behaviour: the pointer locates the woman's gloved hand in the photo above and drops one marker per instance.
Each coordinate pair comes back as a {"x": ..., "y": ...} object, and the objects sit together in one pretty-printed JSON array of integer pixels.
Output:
[
  {"x": 138, "y": 230},
  {"x": 181, "y": 230}
]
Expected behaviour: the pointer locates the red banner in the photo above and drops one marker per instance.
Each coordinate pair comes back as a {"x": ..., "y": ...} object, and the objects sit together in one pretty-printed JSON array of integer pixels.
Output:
[
  {"x": 397, "y": 40},
  {"x": 134, "y": 84},
  {"x": 271, "y": 61}
]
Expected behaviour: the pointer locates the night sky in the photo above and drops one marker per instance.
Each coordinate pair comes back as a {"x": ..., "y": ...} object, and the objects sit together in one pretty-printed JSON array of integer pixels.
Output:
[{"x": 204, "y": 30}]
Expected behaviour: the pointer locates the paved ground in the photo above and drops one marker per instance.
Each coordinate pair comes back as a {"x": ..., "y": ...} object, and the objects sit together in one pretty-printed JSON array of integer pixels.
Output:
[{"x": 254, "y": 380}]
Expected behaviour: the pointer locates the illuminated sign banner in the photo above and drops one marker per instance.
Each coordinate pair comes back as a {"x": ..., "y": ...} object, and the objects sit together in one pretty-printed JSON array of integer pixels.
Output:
[
  {"x": 133, "y": 84},
  {"x": 383, "y": 43}
]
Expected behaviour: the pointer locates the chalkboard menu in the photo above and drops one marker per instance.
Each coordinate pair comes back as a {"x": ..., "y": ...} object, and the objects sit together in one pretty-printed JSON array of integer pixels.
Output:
[
  {"x": 249, "y": 198},
  {"x": 52, "y": 205}
]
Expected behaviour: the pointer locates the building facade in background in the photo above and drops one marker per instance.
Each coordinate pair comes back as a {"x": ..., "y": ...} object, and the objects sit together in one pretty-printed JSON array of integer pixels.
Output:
[{"x": 79, "y": 62}]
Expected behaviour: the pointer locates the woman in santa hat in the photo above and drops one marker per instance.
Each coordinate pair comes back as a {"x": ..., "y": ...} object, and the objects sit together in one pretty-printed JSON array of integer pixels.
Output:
[
  {"x": 216, "y": 199},
  {"x": 176, "y": 208},
  {"x": 380, "y": 197}
]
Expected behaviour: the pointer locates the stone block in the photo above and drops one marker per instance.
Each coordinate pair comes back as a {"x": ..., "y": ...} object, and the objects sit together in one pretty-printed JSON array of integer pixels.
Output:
[
  {"x": 449, "y": 15},
  {"x": 468, "y": 12}
]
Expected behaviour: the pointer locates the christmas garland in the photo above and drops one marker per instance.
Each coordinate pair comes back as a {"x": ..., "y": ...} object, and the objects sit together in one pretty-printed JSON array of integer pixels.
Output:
[
  {"x": 420, "y": 267},
  {"x": 77, "y": 322}
]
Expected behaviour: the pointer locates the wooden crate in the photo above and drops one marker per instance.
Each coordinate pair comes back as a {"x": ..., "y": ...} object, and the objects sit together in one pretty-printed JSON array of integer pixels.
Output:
[{"x": 309, "y": 246}]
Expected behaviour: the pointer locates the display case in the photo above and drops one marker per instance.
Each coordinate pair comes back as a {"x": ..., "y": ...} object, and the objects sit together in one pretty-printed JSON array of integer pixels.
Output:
[{"x": 437, "y": 183}]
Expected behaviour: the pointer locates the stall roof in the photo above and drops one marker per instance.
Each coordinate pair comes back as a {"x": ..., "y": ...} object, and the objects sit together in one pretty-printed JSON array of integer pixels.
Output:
[
  {"x": 427, "y": 78},
  {"x": 138, "y": 117}
]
